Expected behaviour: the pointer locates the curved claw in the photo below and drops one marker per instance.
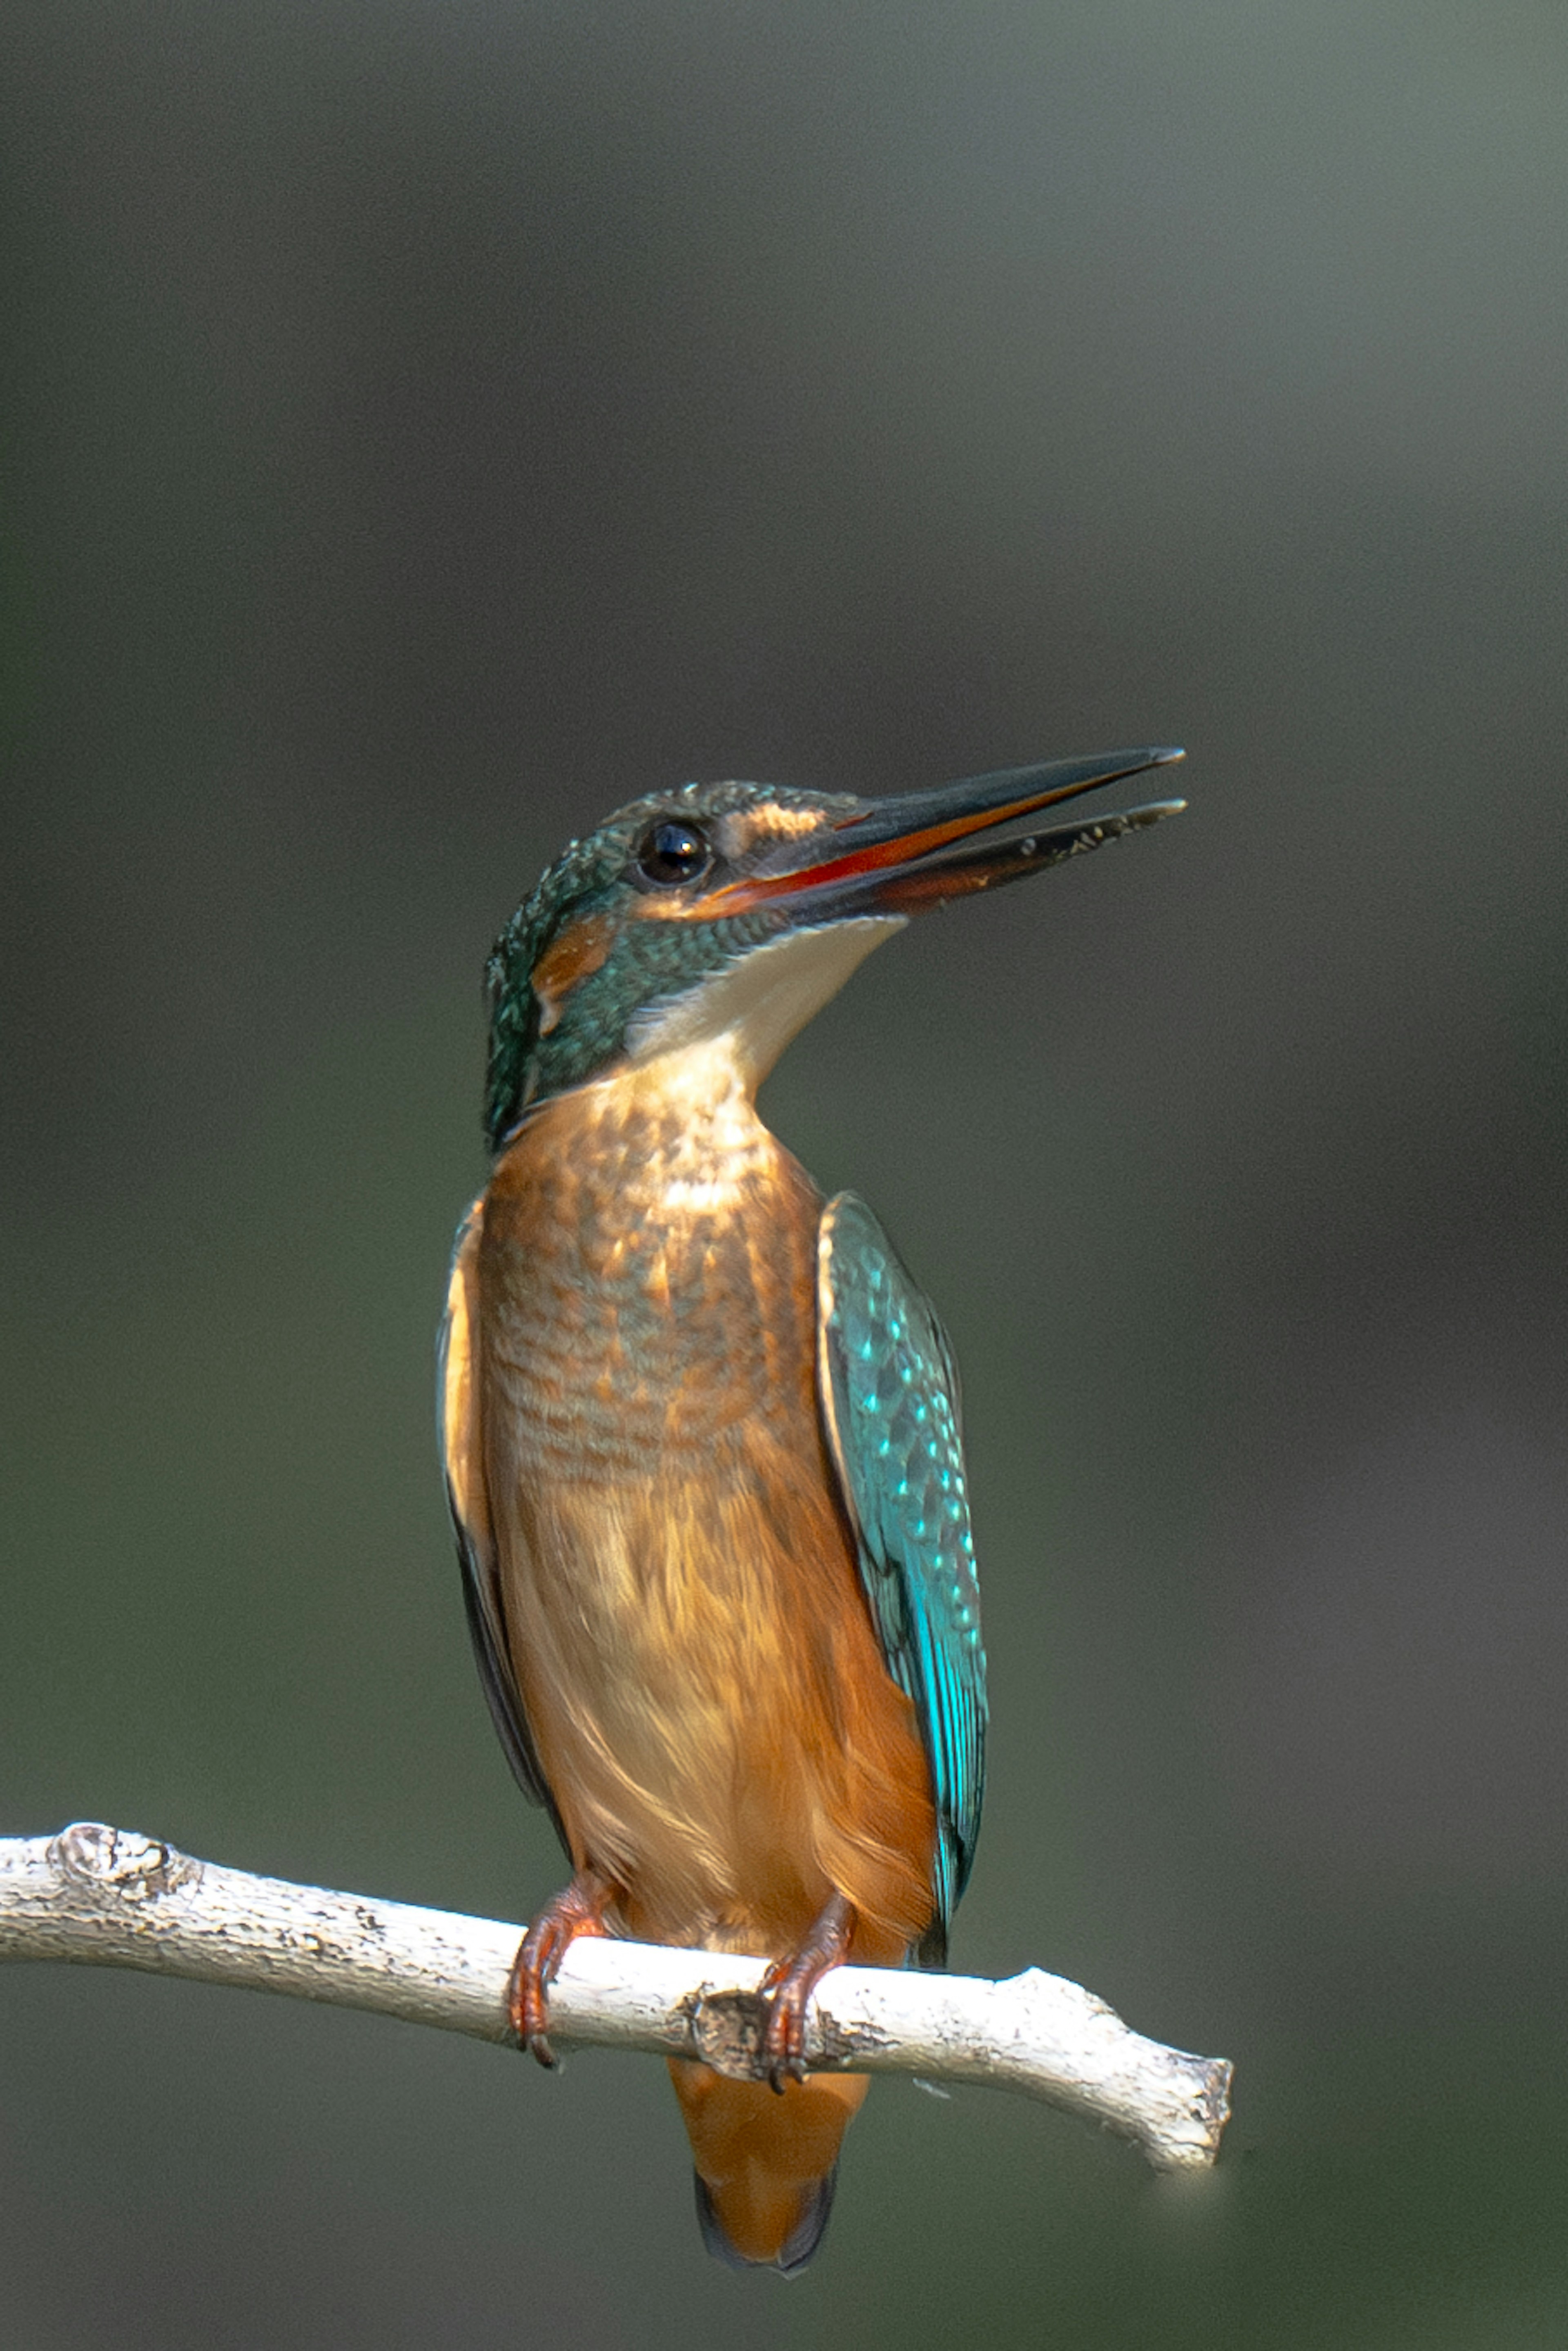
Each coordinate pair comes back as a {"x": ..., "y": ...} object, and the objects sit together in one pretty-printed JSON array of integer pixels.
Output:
[
  {"x": 578, "y": 1910},
  {"x": 788, "y": 1984}
]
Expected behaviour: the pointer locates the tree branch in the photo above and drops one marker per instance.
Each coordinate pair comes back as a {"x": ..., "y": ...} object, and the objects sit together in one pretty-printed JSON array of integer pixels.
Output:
[{"x": 112, "y": 1898}]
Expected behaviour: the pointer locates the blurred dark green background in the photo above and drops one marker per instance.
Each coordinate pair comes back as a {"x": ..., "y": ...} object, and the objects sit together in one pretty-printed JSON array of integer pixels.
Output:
[{"x": 431, "y": 424}]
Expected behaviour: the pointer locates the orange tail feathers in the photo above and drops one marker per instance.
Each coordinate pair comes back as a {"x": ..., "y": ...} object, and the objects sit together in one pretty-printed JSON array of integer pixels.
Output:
[{"x": 764, "y": 2164}]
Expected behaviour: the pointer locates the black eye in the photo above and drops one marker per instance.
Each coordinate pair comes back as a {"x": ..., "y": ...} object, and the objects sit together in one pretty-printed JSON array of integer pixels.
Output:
[{"x": 673, "y": 852}]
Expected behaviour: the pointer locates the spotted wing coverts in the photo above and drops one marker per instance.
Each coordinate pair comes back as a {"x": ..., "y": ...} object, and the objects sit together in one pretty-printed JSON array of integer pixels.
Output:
[{"x": 890, "y": 1405}]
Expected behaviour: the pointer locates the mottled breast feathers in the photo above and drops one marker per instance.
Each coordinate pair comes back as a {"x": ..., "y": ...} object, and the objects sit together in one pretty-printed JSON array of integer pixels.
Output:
[{"x": 889, "y": 1405}]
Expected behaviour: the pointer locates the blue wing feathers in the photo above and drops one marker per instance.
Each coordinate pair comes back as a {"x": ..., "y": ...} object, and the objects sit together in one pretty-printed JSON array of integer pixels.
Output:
[{"x": 890, "y": 1406}]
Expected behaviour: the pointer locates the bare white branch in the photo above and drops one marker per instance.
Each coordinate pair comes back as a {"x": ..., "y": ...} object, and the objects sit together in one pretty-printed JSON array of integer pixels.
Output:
[{"x": 113, "y": 1898}]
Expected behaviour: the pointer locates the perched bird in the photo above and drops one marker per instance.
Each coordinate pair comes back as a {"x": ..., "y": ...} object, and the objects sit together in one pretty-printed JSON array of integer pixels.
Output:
[{"x": 702, "y": 1440}]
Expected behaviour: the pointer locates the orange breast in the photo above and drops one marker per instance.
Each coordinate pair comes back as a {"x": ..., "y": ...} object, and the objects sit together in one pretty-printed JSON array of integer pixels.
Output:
[{"x": 681, "y": 1605}]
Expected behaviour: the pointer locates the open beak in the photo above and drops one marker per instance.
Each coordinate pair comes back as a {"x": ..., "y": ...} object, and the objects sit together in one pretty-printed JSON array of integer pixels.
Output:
[{"x": 901, "y": 855}]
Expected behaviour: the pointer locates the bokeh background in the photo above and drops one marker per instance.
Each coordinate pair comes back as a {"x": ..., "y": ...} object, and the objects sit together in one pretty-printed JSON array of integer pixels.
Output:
[{"x": 433, "y": 422}]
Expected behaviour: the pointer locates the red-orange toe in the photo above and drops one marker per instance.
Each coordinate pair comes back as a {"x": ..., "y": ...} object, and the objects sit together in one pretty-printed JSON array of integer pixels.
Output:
[
  {"x": 579, "y": 1909},
  {"x": 789, "y": 1983}
]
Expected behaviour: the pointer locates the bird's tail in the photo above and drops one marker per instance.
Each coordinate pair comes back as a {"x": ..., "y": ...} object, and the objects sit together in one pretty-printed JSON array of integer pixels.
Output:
[{"x": 764, "y": 2164}]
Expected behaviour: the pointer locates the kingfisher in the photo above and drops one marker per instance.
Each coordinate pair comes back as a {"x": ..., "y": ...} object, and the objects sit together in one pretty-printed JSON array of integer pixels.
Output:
[{"x": 702, "y": 1436}]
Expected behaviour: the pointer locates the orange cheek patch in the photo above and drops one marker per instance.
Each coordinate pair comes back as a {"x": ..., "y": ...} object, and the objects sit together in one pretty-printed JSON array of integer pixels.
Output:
[{"x": 570, "y": 958}]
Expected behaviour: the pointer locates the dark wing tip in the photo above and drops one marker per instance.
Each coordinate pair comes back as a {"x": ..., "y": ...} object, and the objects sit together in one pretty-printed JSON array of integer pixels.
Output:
[
  {"x": 931, "y": 1951},
  {"x": 798, "y": 2247}
]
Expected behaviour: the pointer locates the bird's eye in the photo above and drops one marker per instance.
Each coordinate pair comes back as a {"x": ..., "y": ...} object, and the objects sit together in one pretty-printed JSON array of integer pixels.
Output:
[{"x": 672, "y": 853}]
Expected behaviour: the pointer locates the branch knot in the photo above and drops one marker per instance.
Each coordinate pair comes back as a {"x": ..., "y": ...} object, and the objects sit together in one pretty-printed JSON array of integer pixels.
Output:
[
  {"x": 119, "y": 1866},
  {"x": 726, "y": 2028}
]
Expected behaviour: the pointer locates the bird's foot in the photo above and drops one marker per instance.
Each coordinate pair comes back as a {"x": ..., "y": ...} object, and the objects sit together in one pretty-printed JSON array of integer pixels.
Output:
[
  {"x": 789, "y": 1983},
  {"x": 579, "y": 1910}
]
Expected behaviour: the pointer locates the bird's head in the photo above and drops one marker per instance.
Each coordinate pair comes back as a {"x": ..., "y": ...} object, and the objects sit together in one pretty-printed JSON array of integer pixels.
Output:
[{"x": 735, "y": 911}]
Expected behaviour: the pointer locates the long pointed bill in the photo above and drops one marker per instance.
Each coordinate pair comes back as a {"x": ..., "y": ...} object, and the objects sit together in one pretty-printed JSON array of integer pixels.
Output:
[{"x": 888, "y": 857}]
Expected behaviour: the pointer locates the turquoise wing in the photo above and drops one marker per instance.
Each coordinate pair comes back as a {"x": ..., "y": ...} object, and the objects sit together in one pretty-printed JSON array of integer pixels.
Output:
[{"x": 889, "y": 1395}]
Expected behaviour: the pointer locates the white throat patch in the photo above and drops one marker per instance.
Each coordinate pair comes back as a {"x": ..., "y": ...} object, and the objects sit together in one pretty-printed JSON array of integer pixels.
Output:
[{"x": 762, "y": 999}]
